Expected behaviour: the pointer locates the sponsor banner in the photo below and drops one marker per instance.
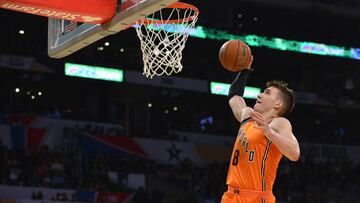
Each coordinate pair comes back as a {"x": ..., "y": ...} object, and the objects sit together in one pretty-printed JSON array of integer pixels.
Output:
[
  {"x": 60, "y": 130},
  {"x": 162, "y": 151},
  {"x": 87, "y": 11}
]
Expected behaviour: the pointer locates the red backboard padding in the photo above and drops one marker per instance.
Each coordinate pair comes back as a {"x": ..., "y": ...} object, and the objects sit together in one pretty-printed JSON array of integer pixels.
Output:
[{"x": 88, "y": 11}]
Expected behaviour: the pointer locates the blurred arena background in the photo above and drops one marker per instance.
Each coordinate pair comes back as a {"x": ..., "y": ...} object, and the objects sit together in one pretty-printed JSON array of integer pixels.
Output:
[{"x": 74, "y": 139}]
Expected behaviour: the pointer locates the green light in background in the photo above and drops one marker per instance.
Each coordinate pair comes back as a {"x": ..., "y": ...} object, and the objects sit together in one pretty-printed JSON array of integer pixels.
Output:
[
  {"x": 198, "y": 32},
  {"x": 261, "y": 41},
  {"x": 94, "y": 72},
  {"x": 280, "y": 44},
  {"x": 223, "y": 89}
]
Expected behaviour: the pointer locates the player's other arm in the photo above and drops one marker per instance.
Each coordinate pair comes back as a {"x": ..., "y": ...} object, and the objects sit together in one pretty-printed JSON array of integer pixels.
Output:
[
  {"x": 236, "y": 91},
  {"x": 282, "y": 136},
  {"x": 279, "y": 131}
]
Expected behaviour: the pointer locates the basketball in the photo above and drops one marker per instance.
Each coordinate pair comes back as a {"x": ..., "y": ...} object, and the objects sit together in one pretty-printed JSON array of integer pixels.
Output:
[{"x": 235, "y": 55}]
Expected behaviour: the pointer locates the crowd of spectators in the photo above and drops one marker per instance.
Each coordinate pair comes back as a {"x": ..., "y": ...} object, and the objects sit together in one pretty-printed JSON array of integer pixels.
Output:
[
  {"x": 45, "y": 168},
  {"x": 312, "y": 180}
]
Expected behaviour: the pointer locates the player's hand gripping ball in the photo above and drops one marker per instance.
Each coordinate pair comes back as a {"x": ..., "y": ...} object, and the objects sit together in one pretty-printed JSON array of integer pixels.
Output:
[{"x": 235, "y": 55}]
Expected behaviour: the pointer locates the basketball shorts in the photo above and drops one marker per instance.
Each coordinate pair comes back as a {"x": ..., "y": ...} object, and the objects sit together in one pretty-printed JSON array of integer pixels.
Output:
[{"x": 234, "y": 195}]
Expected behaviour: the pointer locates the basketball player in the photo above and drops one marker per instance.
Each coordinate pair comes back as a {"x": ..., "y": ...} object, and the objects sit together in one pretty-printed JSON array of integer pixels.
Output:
[{"x": 264, "y": 136}]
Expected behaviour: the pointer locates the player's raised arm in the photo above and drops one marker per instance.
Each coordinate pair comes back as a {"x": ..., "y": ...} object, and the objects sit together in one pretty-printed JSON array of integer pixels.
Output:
[
  {"x": 236, "y": 91},
  {"x": 235, "y": 56}
]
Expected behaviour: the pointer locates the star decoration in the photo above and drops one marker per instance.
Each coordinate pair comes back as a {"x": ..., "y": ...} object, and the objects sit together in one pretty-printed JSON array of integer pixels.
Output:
[{"x": 173, "y": 152}]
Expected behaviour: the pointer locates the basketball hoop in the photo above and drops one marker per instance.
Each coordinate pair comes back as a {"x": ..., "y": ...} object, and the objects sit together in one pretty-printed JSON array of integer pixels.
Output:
[{"x": 163, "y": 35}]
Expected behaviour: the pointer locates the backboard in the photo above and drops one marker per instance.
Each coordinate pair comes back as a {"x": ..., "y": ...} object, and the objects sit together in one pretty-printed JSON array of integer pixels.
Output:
[{"x": 66, "y": 37}]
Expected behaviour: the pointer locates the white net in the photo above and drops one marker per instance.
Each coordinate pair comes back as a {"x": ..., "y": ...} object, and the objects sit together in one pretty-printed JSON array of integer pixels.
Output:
[{"x": 162, "y": 40}]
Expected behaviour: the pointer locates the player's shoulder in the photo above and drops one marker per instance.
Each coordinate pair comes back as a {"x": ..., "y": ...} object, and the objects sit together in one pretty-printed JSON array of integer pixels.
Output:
[{"x": 281, "y": 122}]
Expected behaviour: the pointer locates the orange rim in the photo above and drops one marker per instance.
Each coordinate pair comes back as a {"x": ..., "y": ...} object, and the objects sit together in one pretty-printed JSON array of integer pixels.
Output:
[{"x": 180, "y": 5}]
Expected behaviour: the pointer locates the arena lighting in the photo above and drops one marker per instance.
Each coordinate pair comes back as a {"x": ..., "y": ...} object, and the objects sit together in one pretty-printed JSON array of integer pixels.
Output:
[
  {"x": 272, "y": 43},
  {"x": 94, "y": 72},
  {"x": 223, "y": 89}
]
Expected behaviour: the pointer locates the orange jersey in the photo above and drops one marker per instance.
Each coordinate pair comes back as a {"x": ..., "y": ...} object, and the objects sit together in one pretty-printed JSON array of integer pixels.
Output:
[{"x": 254, "y": 160}]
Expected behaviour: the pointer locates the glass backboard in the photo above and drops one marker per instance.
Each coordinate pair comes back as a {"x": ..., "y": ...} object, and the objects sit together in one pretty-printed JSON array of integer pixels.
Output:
[{"x": 66, "y": 37}]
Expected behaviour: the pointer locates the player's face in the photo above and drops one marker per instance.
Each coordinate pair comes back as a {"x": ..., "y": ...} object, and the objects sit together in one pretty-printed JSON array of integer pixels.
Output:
[{"x": 266, "y": 100}]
